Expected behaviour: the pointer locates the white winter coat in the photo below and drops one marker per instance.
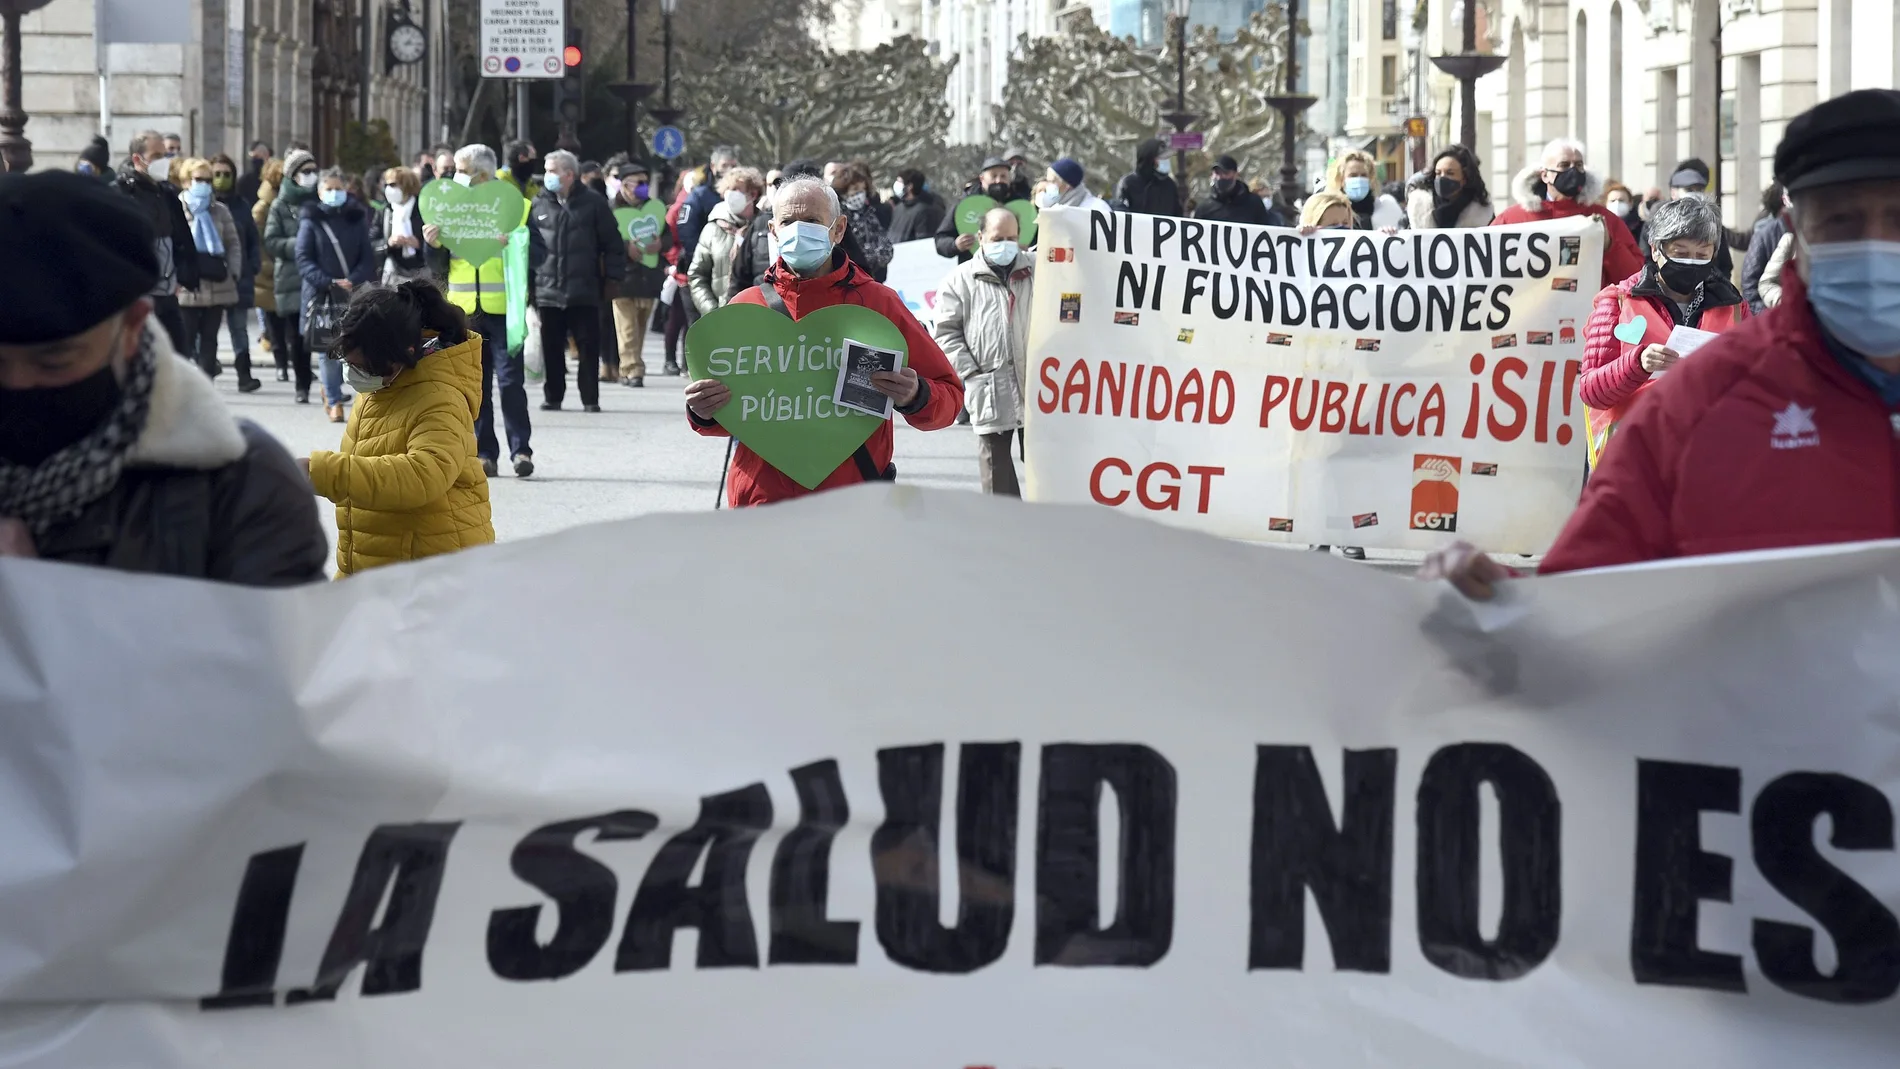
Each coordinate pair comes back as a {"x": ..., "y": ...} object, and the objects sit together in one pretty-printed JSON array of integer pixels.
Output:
[
  {"x": 983, "y": 327},
  {"x": 1419, "y": 205}
]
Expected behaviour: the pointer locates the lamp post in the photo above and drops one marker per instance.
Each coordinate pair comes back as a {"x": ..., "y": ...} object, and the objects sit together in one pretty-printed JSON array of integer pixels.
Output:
[
  {"x": 16, "y": 152},
  {"x": 1468, "y": 66},
  {"x": 630, "y": 91},
  {"x": 1180, "y": 117},
  {"x": 1291, "y": 105},
  {"x": 666, "y": 113}
]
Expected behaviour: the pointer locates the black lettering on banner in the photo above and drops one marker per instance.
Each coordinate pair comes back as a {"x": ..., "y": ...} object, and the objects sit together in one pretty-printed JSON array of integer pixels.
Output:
[
  {"x": 1069, "y": 856},
  {"x": 801, "y": 875},
  {"x": 1507, "y": 255},
  {"x": 1128, "y": 283},
  {"x": 1347, "y": 866},
  {"x": 1264, "y": 258},
  {"x": 1446, "y": 266},
  {"x": 1163, "y": 230},
  {"x": 1102, "y": 232},
  {"x": 406, "y": 861},
  {"x": 1196, "y": 286},
  {"x": 584, "y": 893},
  {"x": 1499, "y": 296},
  {"x": 1537, "y": 246},
  {"x": 1674, "y": 874},
  {"x": 1191, "y": 241},
  {"x": 258, "y": 922},
  {"x": 1478, "y": 253},
  {"x": 1530, "y": 820},
  {"x": 1865, "y": 934},
  {"x": 904, "y": 856},
  {"x": 728, "y": 826},
  {"x": 1333, "y": 269}
]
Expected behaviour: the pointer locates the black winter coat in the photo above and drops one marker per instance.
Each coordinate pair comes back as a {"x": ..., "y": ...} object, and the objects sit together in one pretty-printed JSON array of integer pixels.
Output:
[
  {"x": 1242, "y": 206},
  {"x": 317, "y": 256},
  {"x": 212, "y": 498},
  {"x": 253, "y": 248},
  {"x": 172, "y": 231},
  {"x": 946, "y": 236},
  {"x": 573, "y": 248},
  {"x": 914, "y": 219},
  {"x": 408, "y": 262},
  {"x": 1147, "y": 191}
]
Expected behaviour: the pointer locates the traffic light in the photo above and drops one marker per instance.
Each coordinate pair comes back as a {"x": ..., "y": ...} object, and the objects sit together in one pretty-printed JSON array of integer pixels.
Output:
[{"x": 571, "y": 96}]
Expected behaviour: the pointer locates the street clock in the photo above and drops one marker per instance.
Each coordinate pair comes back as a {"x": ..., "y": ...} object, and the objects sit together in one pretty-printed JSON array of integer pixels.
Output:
[{"x": 407, "y": 42}]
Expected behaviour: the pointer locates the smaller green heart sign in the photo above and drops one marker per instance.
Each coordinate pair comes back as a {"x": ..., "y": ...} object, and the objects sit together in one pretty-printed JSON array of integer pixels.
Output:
[
  {"x": 643, "y": 225},
  {"x": 782, "y": 374},
  {"x": 1026, "y": 214},
  {"x": 970, "y": 211},
  {"x": 1632, "y": 332},
  {"x": 475, "y": 220}
]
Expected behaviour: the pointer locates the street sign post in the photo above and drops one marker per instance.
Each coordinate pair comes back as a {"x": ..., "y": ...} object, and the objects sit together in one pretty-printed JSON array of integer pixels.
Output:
[
  {"x": 669, "y": 143},
  {"x": 1186, "y": 141},
  {"x": 1415, "y": 126},
  {"x": 523, "y": 38}
]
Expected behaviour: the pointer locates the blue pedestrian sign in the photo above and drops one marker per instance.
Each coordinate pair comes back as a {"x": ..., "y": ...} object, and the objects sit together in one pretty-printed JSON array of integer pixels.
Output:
[{"x": 668, "y": 142}]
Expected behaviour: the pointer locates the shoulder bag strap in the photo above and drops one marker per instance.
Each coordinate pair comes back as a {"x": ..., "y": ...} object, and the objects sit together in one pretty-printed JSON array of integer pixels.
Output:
[
  {"x": 772, "y": 299},
  {"x": 342, "y": 261}
]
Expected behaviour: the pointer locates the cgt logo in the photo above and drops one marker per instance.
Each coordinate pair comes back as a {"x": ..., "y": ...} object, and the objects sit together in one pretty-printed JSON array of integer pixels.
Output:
[{"x": 1435, "y": 492}]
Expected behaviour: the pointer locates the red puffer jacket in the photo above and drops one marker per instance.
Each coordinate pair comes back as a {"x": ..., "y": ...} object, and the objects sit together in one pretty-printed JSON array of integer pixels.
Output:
[
  {"x": 940, "y": 389},
  {"x": 1760, "y": 440},
  {"x": 1613, "y": 373},
  {"x": 1621, "y": 257}
]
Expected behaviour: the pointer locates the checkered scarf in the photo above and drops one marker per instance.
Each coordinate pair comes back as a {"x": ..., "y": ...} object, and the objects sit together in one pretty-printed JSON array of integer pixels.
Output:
[{"x": 61, "y": 486}]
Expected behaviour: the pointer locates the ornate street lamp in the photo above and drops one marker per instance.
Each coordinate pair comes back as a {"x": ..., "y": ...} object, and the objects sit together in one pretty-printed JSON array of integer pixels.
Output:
[
  {"x": 1469, "y": 66},
  {"x": 1291, "y": 105},
  {"x": 1180, "y": 117},
  {"x": 632, "y": 92},
  {"x": 666, "y": 113},
  {"x": 16, "y": 152}
]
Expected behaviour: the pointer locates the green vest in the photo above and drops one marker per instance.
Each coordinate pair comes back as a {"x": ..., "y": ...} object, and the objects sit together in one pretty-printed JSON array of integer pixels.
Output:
[{"x": 481, "y": 288}]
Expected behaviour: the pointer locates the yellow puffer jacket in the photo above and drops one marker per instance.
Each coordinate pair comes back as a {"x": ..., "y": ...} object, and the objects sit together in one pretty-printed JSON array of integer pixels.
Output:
[{"x": 406, "y": 482}]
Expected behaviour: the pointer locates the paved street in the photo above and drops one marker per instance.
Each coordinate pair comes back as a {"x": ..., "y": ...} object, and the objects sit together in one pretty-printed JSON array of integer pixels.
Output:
[{"x": 634, "y": 457}]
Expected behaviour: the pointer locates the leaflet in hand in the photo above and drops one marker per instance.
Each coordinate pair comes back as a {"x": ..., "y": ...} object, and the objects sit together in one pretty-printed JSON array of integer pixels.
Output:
[{"x": 854, "y": 389}]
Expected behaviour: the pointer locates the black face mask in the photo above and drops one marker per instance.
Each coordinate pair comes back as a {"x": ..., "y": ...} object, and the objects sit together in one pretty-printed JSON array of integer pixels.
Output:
[
  {"x": 1224, "y": 187},
  {"x": 1569, "y": 183},
  {"x": 1682, "y": 277},
  {"x": 1447, "y": 187},
  {"x": 35, "y": 424},
  {"x": 998, "y": 191}
]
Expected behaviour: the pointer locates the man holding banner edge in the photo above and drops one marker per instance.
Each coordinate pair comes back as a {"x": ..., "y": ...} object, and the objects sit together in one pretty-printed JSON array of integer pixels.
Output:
[
  {"x": 1784, "y": 431},
  {"x": 812, "y": 272}
]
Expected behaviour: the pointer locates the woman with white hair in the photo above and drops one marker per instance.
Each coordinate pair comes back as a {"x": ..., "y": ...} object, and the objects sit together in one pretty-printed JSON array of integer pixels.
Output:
[
  {"x": 1677, "y": 286},
  {"x": 1559, "y": 187}
]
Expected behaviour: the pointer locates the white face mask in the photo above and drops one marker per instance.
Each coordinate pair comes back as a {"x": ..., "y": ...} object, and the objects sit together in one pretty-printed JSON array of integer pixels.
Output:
[
  {"x": 737, "y": 202},
  {"x": 1617, "y": 205},
  {"x": 464, "y": 179},
  {"x": 613, "y": 189},
  {"x": 307, "y": 180},
  {"x": 159, "y": 169},
  {"x": 897, "y": 189},
  {"x": 394, "y": 195},
  {"x": 362, "y": 381}
]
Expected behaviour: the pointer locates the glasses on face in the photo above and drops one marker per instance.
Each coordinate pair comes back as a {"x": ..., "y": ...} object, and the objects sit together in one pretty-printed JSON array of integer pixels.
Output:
[{"x": 1567, "y": 165}]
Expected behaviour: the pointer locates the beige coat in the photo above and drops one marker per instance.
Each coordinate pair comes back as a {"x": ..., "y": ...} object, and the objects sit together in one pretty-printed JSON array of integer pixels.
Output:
[
  {"x": 982, "y": 325},
  {"x": 267, "y": 269},
  {"x": 1770, "y": 285},
  {"x": 213, "y": 294}
]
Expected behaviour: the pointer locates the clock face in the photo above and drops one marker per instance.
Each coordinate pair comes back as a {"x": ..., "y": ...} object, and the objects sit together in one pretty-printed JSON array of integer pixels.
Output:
[{"x": 407, "y": 43}]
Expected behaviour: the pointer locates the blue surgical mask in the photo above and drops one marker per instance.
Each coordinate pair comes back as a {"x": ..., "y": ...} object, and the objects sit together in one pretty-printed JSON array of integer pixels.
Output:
[
  {"x": 804, "y": 246},
  {"x": 1358, "y": 188},
  {"x": 1854, "y": 288},
  {"x": 199, "y": 196},
  {"x": 1165, "y": 166},
  {"x": 334, "y": 198},
  {"x": 552, "y": 180},
  {"x": 1001, "y": 253},
  {"x": 1048, "y": 198}
]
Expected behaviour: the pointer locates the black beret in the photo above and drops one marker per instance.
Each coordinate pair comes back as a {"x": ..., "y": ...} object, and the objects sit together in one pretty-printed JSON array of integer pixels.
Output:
[
  {"x": 991, "y": 163},
  {"x": 78, "y": 251},
  {"x": 1851, "y": 137}
]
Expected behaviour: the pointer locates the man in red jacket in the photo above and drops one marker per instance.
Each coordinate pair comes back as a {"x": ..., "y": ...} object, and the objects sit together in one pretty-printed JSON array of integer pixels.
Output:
[
  {"x": 812, "y": 273},
  {"x": 1784, "y": 431},
  {"x": 1561, "y": 188}
]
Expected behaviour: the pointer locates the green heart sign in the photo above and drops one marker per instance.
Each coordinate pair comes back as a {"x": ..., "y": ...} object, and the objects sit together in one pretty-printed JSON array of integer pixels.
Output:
[
  {"x": 1026, "y": 218},
  {"x": 643, "y": 225},
  {"x": 1632, "y": 332},
  {"x": 970, "y": 211},
  {"x": 475, "y": 220},
  {"x": 782, "y": 375}
]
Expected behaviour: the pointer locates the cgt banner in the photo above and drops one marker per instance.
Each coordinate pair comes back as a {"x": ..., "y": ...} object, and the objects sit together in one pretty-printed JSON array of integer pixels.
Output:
[
  {"x": 1349, "y": 387},
  {"x": 1639, "y": 818}
]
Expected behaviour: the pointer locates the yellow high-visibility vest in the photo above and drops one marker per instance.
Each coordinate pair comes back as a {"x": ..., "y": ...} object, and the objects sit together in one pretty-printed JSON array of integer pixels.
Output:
[{"x": 471, "y": 288}]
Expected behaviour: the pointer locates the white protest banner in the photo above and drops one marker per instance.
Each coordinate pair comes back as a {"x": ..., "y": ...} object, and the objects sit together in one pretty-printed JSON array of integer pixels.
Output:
[
  {"x": 916, "y": 272},
  {"x": 1092, "y": 793},
  {"x": 1348, "y": 387}
]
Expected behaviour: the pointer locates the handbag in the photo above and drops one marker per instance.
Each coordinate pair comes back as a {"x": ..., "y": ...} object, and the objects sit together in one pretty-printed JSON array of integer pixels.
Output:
[
  {"x": 325, "y": 313},
  {"x": 212, "y": 267}
]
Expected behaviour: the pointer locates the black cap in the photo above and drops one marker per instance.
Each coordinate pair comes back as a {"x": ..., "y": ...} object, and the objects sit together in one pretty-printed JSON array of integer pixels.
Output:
[
  {"x": 1851, "y": 137},
  {"x": 78, "y": 251},
  {"x": 1226, "y": 163},
  {"x": 993, "y": 161},
  {"x": 633, "y": 167}
]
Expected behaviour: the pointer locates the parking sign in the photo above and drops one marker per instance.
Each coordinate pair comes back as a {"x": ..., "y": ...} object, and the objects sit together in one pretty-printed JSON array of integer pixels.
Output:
[{"x": 522, "y": 38}]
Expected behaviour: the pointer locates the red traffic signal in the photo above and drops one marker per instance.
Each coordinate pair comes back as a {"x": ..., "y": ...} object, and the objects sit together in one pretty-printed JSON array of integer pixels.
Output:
[{"x": 571, "y": 55}]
